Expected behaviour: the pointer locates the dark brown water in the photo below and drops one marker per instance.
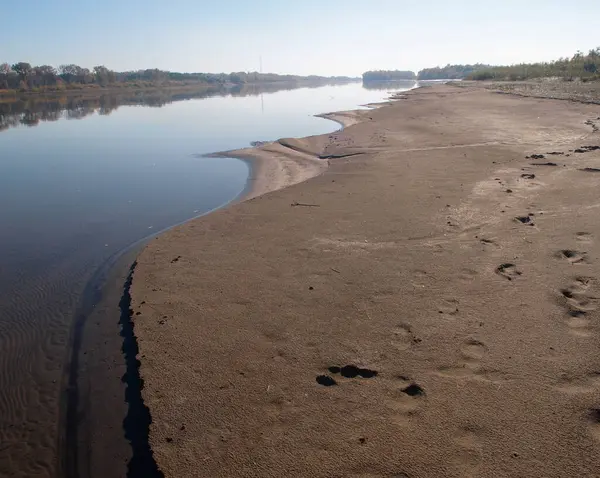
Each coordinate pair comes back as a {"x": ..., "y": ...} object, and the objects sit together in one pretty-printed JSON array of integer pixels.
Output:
[{"x": 81, "y": 180}]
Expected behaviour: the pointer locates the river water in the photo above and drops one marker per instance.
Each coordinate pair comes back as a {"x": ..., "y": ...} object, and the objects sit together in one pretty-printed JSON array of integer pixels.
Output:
[{"x": 81, "y": 180}]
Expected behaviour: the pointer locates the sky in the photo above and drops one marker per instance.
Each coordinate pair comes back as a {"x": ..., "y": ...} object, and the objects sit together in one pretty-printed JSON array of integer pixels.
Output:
[{"x": 324, "y": 37}]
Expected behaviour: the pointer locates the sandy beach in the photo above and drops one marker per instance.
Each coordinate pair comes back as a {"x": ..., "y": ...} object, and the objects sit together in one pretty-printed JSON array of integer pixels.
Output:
[{"x": 413, "y": 296}]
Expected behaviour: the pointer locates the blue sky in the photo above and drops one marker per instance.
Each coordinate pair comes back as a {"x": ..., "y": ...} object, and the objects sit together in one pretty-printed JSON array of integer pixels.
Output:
[{"x": 329, "y": 37}]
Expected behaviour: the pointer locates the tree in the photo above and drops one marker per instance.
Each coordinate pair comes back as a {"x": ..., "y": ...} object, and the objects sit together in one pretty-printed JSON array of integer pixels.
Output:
[
  {"x": 22, "y": 69},
  {"x": 44, "y": 75},
  {"x": 68, "y": 72},
  {"x": 590, "y": 67},
  {"x": 101, "y": 74},
  {"x": 75, "y": 74},
  {"x": 5, "y": 71}
]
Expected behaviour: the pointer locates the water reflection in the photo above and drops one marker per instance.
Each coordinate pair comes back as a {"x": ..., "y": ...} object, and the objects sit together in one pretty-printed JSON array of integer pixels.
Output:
[{"x": 33, "y": 110}]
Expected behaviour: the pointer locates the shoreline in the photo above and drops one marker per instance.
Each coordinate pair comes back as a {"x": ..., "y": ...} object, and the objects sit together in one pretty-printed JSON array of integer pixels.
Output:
[
  {"x": 84, "y": 451},
  {"x": 79, "y": 438},
  {"x": 302, "y": 154},
  {"x": 392, "y": 272},
  {"x": 281, "y": 163},
  {"x": 94, "y": 375}
]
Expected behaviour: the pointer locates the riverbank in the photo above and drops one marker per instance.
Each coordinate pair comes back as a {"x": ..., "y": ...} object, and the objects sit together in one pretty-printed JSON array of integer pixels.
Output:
[
  {"x": 426, "y": 306},
  {"x": 551, "y": 88},
  {"x": 139, "y": 88},
  {"x": 279, "y": 164}
]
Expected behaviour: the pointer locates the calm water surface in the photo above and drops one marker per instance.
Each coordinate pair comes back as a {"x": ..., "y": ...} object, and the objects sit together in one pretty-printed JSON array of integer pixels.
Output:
[{"x": 77, "y": 186}]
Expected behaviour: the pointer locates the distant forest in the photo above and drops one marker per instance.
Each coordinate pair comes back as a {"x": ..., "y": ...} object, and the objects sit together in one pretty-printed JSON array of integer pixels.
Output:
[
  {"x": 22, "y": 77},
  {"x": 583, "y": 66},
  {"x": 450, "y": 72},
  {"x": 580, "y": 65},
  {"x": 388, "y": 75}
]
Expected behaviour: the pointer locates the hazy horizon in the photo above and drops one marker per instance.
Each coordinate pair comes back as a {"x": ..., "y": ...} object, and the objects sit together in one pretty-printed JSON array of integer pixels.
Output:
[{"x": 340, "y": 38}]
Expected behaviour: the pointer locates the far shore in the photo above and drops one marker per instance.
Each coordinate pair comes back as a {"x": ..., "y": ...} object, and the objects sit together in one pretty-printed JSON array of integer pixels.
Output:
[
  {"x": 128, "y": 88},
  {"x": 414, "y": 295}
]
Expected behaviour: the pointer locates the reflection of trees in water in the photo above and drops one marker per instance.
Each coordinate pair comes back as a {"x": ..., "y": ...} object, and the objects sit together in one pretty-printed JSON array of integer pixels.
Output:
[
  {"x": 8, "y": 122},
  {"x": 79, "y": 110},
  {"x": 32, "y": 111},
  {"x": 30, "y": 118},
  {"x": 29, "y": 112},
  {"x": 51, "y": 115},
  {"x": 389, "y": 85},
  {"x": 107, "y": 105}
]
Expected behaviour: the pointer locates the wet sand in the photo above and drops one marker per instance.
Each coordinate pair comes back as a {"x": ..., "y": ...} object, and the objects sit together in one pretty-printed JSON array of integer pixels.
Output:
[
  {"x": 102, "y": 393},
  {"x": 426, "y": 306}
]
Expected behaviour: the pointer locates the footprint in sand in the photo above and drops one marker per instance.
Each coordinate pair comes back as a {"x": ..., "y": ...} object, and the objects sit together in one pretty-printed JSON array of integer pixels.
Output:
[
  {"x": 326, "y": 380},
  {"x": 579, "y": 324},
  {"x": 473, "y": 349},
  {"x": 406, "y": 400},
  {"x": 586, "y": 149},
  {"x": 347, "y": 371},
  {"x": 579, "y": 385},
  {"x": 579, "y": 303},
  {"x": 528, "y": 220},
  {"x": 594, "y": 423},
  {"x": 508, "y": 271},
  {"x": 487, "y": 242},
  {"x": 448, "y": 307},
  {"x": 352, "y": 371},
  {"x": 584, "y": 237},
  {"x": 467, "y": 275},
  {"x": 572, "y": 256},
  {"x": 469, "y": 456},
  {"x": 421, "y": 278},
  {"x": 403, "y": 337},
  {"x": 470, "y": 371},
  {"x": 472, "y": 352}
]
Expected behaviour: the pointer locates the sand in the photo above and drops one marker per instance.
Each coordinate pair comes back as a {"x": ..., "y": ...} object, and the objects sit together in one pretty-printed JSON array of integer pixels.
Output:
[{"x": 426, "y": 306}]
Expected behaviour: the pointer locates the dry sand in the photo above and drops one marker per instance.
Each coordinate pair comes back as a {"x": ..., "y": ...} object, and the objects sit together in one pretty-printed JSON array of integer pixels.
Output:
[{"x": 445, "y": 287}]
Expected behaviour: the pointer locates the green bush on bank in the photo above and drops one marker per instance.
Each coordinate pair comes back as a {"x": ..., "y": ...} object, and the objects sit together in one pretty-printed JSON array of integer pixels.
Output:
[{"x": 584, "y": 67}]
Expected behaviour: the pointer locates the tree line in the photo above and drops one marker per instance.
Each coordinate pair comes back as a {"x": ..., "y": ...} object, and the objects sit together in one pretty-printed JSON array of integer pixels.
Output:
[
  {"x": 450, "y": 72},
  {"x": 388, "y": 75},
  {"x": 580, "y": 65},
  {"x": 24, "y": 77}
]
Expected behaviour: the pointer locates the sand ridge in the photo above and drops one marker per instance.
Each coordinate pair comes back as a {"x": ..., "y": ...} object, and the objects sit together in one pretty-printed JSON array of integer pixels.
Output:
[
  {"x": 425, "y": 308},
  {"x": 278, "y": 164}
]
